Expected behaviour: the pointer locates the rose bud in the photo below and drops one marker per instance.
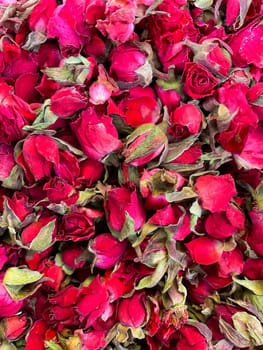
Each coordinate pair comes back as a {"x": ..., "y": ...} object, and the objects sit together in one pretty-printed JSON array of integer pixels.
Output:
[
  {"x": 90, "y": 340},
  {"x": 212, "y": 55},
  {"x": 185, "y": 121},
  {"x": 19, "y": 205},
  {"x": 7, "y": 161},
  {"x": 40, "y": 235},
  {"x": 12, "y": 124},
  {"x": 90, "y": 172},
  {"x": 67, "y": 101},
  {"x": 253, "y": 268},
  {"x": 93, "y": 302},
  {"x": 247, "y": 46},
  {"x": 68, "y": 166},
  {"x": 15, "y": 326},
  {"x": 205, "y": 250},
  {"x": 101, "y": 90},
  {"x": 138, "y": 68},
  {"x": 78, "y": 225},
  {"x": 199, "y": 290},
  {"x": 144, "y": 144},
  {"x": 39, "y": 17},
  {"x": 230, "y": 263},
  {"x": 73, "y": 256},
  {"x": 173, "y": 219},
  {"x": 9, "y": 307},
  {"x": 39, "y": 154},
  {"x": 96, "y": 134},
  {"x": 255, "y": 235},
  {"x": 63, "y": 306},
  {"x": 169, "y": 97},
  {"x": 107, "y": 250},
  {"x": 119, "y": 21},
  {"x": 132, "y": 311},
  {"x": 215, "y": 192},
  {"x": 156, "y": 183},
  {"x": 191, "y": 338},
  {"x": 139, "y": 107},
  {"x": 120, "y": 203},
  {"x": 59, "y": 191},
  {"x": 198, "y": 81},
  {"x": 251, "y": 154}
]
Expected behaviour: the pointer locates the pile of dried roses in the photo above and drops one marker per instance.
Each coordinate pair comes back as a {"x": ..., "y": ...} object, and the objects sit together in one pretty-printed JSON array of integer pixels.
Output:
[{"x": 131, "y": 198}]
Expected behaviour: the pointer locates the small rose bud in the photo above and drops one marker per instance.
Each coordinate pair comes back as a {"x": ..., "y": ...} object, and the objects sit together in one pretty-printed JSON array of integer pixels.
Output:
[
  {"x": 107, "y": 250},
  {"x": 132, "y": 312},
  {"x": 138, "y": 68},
  {"x": 145, "y": 143}
]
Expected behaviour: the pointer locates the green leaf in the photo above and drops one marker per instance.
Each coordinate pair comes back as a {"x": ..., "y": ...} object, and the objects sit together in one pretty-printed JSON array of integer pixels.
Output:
[
  {"x": 178, "y": 148},
  {"x": 233, "y": 335},
  {"x": 203, "y": 4},
  {"x": 152, "y": 280},
  {"x": 50, "y": 345},
  {"x": 127, "y": 229},
  {"x": 184, "y": 194},
  {"x": 15, "y": 180},
  {"x": 249, "y": 327},
  {"x": 44, "y": 238},
  {"x": 256, "y": 286},
  {"x": 147, "y": 229},
  {"x": 20, "y": 276},
  {"x": 20, "y": 282},
  {"x": 258, "y": 196}
]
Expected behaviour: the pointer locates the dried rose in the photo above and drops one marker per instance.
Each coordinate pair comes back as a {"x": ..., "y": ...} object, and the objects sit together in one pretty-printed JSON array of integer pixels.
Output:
[
  {"x": 144, "y": 144},
  {"x": 198, "y": 81},
  {"x": 120, "y": 203},
  {"x": 205, "y": 250},
  {"x": 138, "y": 108},
  {"x": 107, "y": 250},
  {"x": 185, "y": 121},
  {"x": 15, "y": 326},
  {"x": 131, "y": 311},
  {"x": 156, "y": 183},
  {"x": 96, "y": 134},
  {"x": 93, "y": 302},
  {"x": 78, "y": 225},
  {"x": 138, "y": 69},
  {"x": 40, "y": 153},
  {"x": 40, "y": 235},
  {"x": 67, "y": 101}
]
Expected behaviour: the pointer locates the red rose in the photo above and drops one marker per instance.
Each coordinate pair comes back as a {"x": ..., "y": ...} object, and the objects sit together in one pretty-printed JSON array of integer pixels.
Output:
[
  {"x": 139, "y": 107},
  {"x": 39, "y": 154},
  {"x": 122, "y": 201},
  {"x": 93, "y": 303},
  {"x": 144, "y": 144},
  {"x": 65, "y": 102},
  {"x": 15, "y": 326},
  {"x": 132, "y": 311},
  {"x": 169, "y": 31},
  {"x": 59, "y": 191},
  {"x": 79, "y": 224},
  {"x": 107, "y": 250},
  {"x": 7, "y": 160},
  {"x": 185, "y": 121},
  {"x": 90, "y": 171},
  {"x": 96, "y": 134},
  {"x": 132, "y": 54},
  {"x": 198, "y": 81},
  {"x": 205, "y": 250},
  {"x": 40, "y": 235}
]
